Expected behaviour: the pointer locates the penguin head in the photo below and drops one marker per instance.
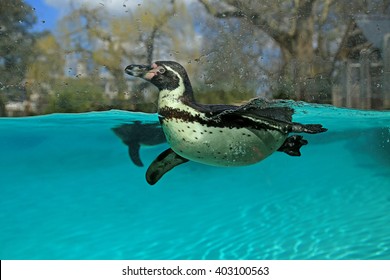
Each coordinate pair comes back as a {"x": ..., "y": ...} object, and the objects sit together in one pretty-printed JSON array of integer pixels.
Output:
[{"x": 165, "y": 75}]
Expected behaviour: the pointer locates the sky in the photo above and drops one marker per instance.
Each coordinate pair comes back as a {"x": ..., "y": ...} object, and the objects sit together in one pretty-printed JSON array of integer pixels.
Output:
[
  {"x": 49, "y": 11},
  {"x": 47, "y": 15}
]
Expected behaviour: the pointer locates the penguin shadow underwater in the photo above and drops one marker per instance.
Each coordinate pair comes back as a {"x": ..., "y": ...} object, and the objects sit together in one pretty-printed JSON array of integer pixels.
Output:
[
  {"x": 139, "y": 134},
  {"x": 214, "y": 134}
]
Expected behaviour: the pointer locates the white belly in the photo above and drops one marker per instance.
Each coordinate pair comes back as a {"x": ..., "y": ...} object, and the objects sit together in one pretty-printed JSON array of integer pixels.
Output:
[{"x": 221, "y": 146}]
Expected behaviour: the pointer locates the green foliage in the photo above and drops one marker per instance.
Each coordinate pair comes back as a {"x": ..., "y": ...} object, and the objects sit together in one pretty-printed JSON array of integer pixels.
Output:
[
  {"x": 220, "y": 96},
  {"x": 75, "y": 96},
  {"x": 49, "y": 62},
  {"x": 3, "y": 113},
  {"x": 45, "y": 71},
  {"x": 16, "y": 18},
  {"x": 284, "y": 89}
]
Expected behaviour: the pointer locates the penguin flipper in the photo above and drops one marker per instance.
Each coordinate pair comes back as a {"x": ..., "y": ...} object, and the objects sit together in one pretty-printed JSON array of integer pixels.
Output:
[
  {"x": 272, "y": 110},
  {"x": 292, "y": 145},
  {"x": 162, "y": 164},
  {"x": 134, "y": 153}
]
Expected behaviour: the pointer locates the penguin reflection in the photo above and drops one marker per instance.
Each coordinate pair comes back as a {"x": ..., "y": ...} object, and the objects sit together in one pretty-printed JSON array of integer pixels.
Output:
[{"x": 136, "y": 134}]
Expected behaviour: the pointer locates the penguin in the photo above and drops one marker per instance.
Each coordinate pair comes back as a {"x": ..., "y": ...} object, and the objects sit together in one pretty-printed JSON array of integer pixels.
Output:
[
  {"x": 136, "y": 134},
  {"x": 216, "y": 134}
]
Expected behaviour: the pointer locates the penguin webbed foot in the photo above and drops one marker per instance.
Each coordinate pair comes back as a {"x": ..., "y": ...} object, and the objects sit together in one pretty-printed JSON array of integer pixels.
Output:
[{"x": 292, "y": 145}]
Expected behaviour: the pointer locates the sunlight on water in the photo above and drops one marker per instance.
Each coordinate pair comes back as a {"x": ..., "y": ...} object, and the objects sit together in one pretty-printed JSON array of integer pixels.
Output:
[{"x": 69, "y": 191}]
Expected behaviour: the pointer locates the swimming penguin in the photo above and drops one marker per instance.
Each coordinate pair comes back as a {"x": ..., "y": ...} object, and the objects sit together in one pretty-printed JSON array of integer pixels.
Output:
[{"x": 219, "y": 135}]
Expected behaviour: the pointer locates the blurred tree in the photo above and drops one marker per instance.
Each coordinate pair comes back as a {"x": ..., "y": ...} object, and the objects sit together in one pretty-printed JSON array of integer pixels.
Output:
[
  {"x": 16, "y": 18},
  {"x": 308, "y": 33},
  {"x": 45, "y": 71},
  {"x": 75, "y": 96},
  {"x": 77, "y": 36},
  {"x": 232, "y": 68},
  {"x": 107, "y": 43},
  {"x": 3, "y": 112}
]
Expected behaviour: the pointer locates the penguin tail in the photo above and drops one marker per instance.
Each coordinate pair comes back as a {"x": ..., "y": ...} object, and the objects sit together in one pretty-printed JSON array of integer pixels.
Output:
[{"x": 307, "y": 128}]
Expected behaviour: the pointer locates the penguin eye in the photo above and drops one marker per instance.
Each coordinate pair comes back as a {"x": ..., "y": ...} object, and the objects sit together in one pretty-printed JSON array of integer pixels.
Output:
[{"x": 161, "y": 70}]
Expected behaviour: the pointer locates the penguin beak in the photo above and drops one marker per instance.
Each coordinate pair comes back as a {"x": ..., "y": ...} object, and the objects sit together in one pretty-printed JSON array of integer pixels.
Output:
[
  {"x": 146, "y": 72},
  {"x": 137, "y": 70}
]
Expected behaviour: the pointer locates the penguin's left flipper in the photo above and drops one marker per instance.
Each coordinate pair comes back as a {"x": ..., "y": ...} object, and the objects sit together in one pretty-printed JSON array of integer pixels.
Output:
[
  {"x": 292, "y": 145},
  {"x": 162, "y": 164}
]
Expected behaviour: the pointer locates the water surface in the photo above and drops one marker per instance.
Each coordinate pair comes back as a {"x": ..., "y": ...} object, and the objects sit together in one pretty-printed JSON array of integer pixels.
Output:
[{"x": 68, "y": 190}]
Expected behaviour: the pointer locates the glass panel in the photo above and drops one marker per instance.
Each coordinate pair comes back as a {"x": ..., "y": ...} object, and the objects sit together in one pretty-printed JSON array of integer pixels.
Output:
[
  {"x": 80, "y": 139},
  {"x": 69, "y": 56}
]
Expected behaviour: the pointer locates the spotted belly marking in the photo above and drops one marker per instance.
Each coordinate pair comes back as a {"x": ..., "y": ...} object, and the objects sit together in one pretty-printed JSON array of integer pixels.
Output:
[{"x": 216, "y": 145}]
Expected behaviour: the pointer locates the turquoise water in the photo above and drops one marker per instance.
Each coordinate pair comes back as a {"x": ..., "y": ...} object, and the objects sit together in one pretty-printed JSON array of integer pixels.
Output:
[{"x": 68, "y": 190}]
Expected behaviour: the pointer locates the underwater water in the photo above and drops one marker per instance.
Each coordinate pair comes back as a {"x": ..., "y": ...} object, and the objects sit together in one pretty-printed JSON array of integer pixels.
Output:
[{"x": 68, "y": 190}]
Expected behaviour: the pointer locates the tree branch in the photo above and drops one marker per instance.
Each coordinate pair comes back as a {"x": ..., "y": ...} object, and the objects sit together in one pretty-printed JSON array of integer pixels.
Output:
[{"x": 281, "y": 37}]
